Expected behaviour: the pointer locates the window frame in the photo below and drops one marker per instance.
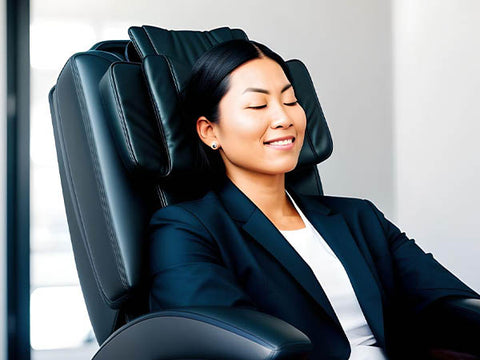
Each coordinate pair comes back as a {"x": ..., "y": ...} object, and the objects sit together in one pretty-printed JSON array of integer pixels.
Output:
[{"x": 18, "y": 179}]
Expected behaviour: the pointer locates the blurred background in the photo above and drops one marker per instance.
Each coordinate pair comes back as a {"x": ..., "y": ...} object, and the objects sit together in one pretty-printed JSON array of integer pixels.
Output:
[{"x": 398, "y": 82}]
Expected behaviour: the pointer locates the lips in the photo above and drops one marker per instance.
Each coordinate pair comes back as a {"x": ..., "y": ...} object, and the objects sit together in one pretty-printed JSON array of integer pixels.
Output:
[
  {"x": 281, "y": 142},
  {"x": 286, "y": 140}
]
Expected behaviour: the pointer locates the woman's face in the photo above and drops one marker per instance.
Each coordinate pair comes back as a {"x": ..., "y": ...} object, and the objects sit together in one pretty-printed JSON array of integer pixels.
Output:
[{"x": 261, "y": 125}]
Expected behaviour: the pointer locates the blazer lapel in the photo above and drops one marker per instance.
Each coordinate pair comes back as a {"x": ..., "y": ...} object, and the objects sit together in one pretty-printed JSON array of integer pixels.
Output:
[
  {"x": 264, "y": 232},
  {"x": 336, "y": 233},
  {"x": 259, "y": 227}
]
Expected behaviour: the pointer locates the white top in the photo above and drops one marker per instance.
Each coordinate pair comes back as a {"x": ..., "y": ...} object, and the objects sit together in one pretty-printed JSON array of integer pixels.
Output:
[{"x": 334, "y": 280}]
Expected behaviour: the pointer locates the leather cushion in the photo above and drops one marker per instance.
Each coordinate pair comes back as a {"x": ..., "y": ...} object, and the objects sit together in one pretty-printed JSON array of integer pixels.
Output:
[
  {"x": 150, "y": 136},
  {"x": 184, "y": 45},
  {"x": 131, "y": 119}
]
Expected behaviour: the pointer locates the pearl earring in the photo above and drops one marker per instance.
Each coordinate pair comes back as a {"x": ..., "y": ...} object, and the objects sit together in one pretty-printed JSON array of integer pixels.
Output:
[{"x": 214, "y": 145}]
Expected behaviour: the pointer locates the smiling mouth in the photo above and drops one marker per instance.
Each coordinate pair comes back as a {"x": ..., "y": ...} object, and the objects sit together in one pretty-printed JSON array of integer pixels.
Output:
[{"x": 280, "y": 142}]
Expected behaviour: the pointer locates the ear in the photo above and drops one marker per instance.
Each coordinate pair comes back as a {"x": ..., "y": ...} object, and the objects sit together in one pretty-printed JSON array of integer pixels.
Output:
[{"x": 206, "y": 131}]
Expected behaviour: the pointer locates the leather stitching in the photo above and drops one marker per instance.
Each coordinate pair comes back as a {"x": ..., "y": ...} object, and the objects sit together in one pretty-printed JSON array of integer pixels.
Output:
[
  {"x": 159, "y": 124},
  {"x": 122, "y": 117},
  {"x": 161, "y": 196},
  {"x": 106, "y": 211},
  {"x": 78, "y": 213},
  {"x": 172, "y": 73},
  {"x": 135, "y": 45},
  {"x": 151, "y": 41}
]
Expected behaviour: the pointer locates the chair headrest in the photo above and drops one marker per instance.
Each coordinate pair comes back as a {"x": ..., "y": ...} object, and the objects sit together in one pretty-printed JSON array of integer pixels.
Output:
[
  {"x": 184, "y": 45},
  {"x": 143, "y": 103}
]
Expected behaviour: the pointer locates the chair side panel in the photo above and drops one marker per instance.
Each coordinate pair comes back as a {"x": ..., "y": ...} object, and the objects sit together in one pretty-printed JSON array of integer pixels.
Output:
[{"x": 106, "y": 209}]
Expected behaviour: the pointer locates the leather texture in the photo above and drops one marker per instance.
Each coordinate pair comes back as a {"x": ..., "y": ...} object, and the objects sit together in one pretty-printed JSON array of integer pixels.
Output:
[
  {"x": 165, "y": 79},
  {"x": 453, "y": 323},
  {"x": 136, "y": 135},
  {"x": 99, "y": 195},
  {"x": 116, "y": 47},
  {"x": 183, "y": 45},
  {"x": 206, "y": 333}
]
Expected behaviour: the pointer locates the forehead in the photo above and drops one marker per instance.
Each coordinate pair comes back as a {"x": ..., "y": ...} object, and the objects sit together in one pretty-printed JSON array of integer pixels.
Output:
[{"x": 263, "y": 72}]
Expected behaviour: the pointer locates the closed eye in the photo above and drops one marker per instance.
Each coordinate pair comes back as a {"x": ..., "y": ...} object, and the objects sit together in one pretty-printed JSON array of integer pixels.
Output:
[
  {"x": 257, "y": 107},
  {"x": 291, "y": 103}
]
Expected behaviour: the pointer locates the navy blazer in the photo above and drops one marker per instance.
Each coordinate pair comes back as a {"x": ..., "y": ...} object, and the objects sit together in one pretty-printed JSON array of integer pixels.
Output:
[{"x": 222, "y": 250}]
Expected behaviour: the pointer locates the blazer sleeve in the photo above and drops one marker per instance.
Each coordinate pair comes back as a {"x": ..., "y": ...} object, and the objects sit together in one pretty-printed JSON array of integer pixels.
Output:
[
  {"x": 186, "y": 267},
  {"x": 420, "y": 278}
]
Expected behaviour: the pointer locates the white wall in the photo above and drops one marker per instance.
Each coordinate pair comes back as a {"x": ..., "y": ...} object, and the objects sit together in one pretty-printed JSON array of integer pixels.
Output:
[
  {"x": 3, "y": 200},
  {"x": 437, "y": 127}
]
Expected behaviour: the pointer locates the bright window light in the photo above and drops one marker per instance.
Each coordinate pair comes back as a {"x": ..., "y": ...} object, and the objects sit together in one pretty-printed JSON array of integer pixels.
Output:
[
  {"x": 53, "y": 42},
  {"x": 59, "y": 318},
  {"x": 42, "y": 142},
  {"x": 115, "y": 31}
]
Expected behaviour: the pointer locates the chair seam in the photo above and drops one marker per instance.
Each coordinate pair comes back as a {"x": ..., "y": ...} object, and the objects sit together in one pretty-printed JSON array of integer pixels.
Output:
[
  {"x": 275, "y": 351},
  {"x": 107, "y": 215},
  {"x": 161, "y": 196},
  {"x": 151, "y": 41},
  {"x": 76, "y": 209},
  {"x": 172, "y": 73},
  {"x": 135, "y": 45},
  {"x": 78, "y": 212},
  {"x": 123, "y": 120},
  {"x": 158, "y": 121}
]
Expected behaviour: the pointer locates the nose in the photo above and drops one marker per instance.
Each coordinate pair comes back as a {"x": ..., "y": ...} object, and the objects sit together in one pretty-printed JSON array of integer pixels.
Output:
[{"x": 280, "y": 119}]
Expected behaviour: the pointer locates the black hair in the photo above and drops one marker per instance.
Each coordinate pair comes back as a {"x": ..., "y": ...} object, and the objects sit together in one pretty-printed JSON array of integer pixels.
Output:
[{"x": 208, "y": 83}]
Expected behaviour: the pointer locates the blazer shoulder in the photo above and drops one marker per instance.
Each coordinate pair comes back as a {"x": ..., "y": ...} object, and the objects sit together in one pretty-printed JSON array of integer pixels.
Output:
[
  {"x": 190, "y": 211},
  {"x": 349, "y": 207},
  {"x": 339, "y": 203},
  {"x": 343, "y": 200}
]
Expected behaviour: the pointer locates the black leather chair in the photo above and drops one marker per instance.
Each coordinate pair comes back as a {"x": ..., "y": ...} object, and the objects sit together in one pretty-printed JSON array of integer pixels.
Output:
[{"x": 122, "y": 154}]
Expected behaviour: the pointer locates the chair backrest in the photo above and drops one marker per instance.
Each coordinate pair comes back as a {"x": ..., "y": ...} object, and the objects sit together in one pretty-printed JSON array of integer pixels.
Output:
[{"x": 122, "y": 154}]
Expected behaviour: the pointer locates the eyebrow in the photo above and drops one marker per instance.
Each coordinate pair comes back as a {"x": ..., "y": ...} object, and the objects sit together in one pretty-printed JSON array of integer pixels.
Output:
[{"x": 263, "y": 91}]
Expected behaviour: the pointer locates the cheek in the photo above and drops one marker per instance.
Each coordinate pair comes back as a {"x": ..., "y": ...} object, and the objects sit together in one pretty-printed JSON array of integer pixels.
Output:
[{"x": 241, "y": 130}]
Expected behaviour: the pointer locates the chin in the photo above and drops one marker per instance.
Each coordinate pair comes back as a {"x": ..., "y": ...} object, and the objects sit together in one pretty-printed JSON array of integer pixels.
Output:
[{"x": 282, "y": 169}]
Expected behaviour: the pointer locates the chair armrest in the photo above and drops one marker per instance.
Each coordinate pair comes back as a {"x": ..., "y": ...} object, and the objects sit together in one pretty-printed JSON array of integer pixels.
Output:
[
  {"x": 207, "y": 333},
  {"x": 454, "y": 323}
]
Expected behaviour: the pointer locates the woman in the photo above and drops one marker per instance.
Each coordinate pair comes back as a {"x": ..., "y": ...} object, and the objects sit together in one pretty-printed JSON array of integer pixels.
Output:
[{"x": 333, "y": 267}]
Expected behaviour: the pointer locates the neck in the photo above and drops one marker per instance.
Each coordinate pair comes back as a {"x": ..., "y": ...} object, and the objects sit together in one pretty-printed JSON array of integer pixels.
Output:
[{"x": 267, "y": 192}]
